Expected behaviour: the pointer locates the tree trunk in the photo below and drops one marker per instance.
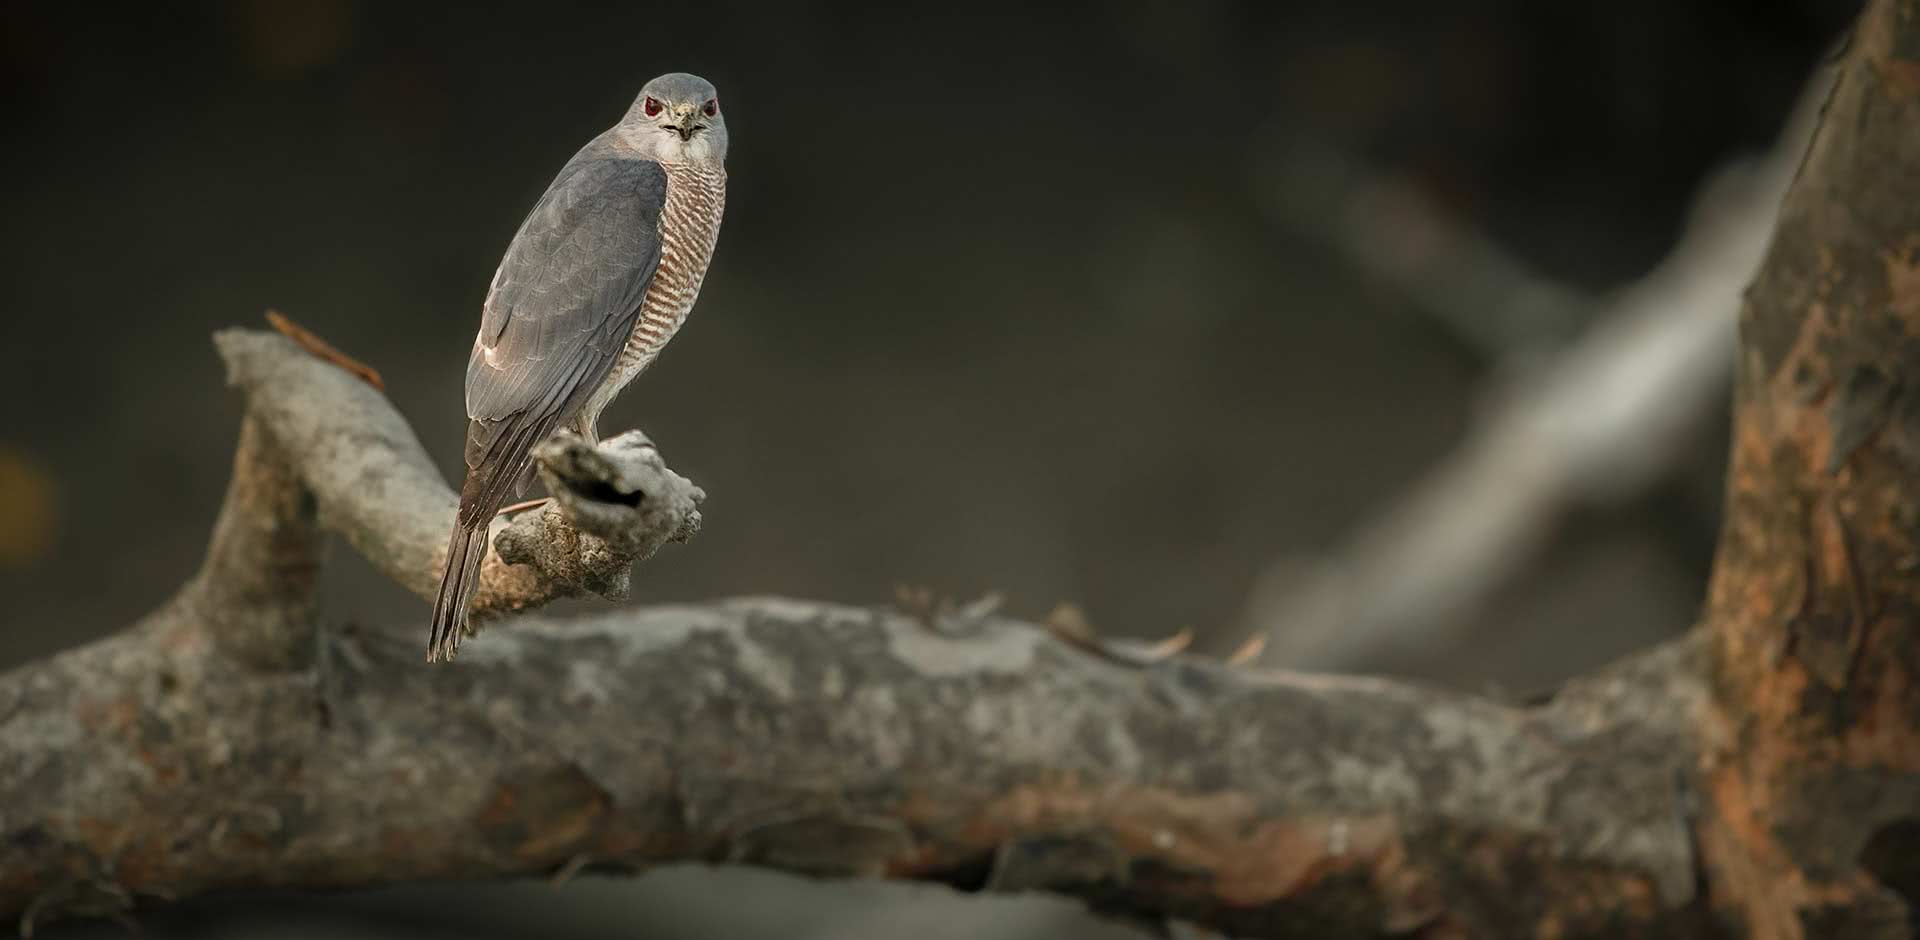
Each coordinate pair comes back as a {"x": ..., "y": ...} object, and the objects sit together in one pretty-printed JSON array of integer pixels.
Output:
[{"x": 1814, "y": 765}]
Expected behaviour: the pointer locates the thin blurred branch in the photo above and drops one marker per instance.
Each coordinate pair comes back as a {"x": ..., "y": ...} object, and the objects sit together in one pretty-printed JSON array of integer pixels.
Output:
[
  {"x": 1595, "y": 424},
  {"x": 1393, "y": 234}
]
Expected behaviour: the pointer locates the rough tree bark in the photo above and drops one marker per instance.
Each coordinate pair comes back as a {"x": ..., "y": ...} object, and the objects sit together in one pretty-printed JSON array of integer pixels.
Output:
[
  {"x": 1760, "y": 778},
  {"x": 1814, "y": 768}
]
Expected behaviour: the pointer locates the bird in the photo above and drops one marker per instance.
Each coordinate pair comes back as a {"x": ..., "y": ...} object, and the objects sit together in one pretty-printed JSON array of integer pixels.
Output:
[{"x": 600, "y": 275}]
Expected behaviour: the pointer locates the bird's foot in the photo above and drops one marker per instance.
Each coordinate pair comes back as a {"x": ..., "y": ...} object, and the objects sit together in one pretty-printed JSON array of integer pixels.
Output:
[{"x": 616, "y": 504}]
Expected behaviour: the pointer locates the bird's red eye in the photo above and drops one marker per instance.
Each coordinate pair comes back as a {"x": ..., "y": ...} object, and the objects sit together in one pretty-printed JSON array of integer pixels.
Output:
[
  {"x": 712, "y": 108},
  {"x": 651, "y": 106}
]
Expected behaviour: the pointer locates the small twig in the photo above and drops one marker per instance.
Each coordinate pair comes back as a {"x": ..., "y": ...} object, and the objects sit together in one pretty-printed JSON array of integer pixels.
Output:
[
  {"x": 573, "y": 866},
  {"x": 1069, "y": 624},
  {"x": 523, "y": 506},
  {"x": 1158, "y": 650},
  {"x": 323, "y": 349},
  {"x": 1248, "y": 651}
]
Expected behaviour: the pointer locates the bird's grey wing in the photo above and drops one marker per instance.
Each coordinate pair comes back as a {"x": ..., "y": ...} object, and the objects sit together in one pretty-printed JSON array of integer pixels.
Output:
[{"x": 560, "y": 309}]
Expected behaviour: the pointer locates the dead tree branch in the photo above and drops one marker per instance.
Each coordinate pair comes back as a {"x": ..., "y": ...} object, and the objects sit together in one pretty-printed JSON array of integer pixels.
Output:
[
  {"x": 370, "y": 480},
  {"x": 226, "y": 743},
  {"x": 852, "y": 742}
]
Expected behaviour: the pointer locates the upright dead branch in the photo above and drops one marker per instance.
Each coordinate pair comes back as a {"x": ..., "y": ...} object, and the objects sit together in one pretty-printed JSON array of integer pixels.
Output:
[
  {"x": 1814, "y": 605},
  {"x": 369, "y": 479},
  {"x": 263, "y": 563}
]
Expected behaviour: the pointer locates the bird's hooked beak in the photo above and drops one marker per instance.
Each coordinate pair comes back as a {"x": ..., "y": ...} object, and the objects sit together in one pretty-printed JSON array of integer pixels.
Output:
[{"x": 683, "y": 119}]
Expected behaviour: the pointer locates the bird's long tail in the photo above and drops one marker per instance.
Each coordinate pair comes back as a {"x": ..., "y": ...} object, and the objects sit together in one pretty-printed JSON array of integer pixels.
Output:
[{"x": 465, "y": 551}]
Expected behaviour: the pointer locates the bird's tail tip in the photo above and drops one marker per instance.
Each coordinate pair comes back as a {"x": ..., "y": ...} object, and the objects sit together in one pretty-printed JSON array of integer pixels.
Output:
[{"x": 465, "y": 551}]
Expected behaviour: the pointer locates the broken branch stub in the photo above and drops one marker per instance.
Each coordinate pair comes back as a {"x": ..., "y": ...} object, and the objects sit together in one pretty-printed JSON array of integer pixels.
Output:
[{"x": 613, "y": 504}]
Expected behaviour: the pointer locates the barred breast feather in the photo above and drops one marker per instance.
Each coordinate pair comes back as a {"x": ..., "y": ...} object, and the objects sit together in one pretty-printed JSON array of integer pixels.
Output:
[{"x": 689, "y": 228}]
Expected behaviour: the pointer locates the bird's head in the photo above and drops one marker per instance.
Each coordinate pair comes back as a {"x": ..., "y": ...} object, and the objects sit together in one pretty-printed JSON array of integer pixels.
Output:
[{"x": 677, "y": 119}]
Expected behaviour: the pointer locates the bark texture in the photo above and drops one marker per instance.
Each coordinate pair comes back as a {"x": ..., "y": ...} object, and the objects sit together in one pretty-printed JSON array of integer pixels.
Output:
[
  {"x": 1815, "y": 772},
  {"x": 1759, "y": 778},
  {"x": 841, "y": 741}
]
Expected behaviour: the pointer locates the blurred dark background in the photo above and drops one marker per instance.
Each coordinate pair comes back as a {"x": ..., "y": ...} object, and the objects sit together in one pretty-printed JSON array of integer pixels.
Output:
[{"x": 1001, "y": 304}]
